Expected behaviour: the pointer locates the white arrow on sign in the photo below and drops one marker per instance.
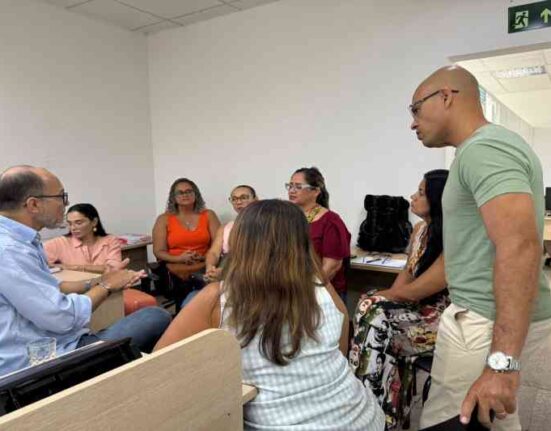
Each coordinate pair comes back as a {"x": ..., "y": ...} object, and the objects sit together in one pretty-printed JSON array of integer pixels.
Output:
[{"x": 545, "y": 15}]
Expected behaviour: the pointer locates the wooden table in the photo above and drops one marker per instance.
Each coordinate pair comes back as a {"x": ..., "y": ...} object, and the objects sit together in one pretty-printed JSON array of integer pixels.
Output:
[
  {"x": 248, "y": 392},
  {"x": 109, "y": 311},
  {"x": 137, "y": 253}
]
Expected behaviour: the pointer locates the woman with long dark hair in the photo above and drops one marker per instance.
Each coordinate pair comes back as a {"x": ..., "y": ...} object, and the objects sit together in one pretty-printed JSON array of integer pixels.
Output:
[
  {"x": 292, "y": 328},
  {"x": 405, "y": 317}
]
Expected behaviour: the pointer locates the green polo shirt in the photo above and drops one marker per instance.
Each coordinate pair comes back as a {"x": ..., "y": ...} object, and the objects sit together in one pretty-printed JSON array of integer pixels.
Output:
[{"x": 491, "y": 162}]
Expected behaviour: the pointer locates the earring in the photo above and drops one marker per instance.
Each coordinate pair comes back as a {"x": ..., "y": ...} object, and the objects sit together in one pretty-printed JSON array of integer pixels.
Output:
[{"x": 95, "y": 229}]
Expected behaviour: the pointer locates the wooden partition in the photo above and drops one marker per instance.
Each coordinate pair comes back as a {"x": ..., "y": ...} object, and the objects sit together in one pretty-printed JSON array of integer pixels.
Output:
[{"x": 192, "y": 385}]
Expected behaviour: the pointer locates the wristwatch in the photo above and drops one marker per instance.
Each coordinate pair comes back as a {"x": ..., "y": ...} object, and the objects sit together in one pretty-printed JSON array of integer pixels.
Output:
[
  {"x": 87, "y": 286},
  {"x": 106, "y": 287},
  {"x": 502, "y": 363}
]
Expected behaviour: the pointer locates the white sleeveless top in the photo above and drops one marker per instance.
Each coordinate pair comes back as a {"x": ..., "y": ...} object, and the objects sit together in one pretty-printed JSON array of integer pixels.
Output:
[{"x": 316, "y": 391}]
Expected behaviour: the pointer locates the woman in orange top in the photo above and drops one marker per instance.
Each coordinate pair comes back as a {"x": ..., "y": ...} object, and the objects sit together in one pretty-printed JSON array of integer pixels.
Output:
[{"x": 183, "y": 235}]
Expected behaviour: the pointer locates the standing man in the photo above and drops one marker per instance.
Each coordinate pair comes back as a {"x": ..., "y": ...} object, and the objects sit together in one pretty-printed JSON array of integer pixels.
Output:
[
  {"x": 493, "y": 211},
  {"x": 32, "y": 302}
]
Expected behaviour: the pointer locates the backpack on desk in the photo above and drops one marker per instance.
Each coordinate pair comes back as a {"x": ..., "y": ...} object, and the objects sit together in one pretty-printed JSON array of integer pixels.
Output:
[{"x": 386, "y": 227}]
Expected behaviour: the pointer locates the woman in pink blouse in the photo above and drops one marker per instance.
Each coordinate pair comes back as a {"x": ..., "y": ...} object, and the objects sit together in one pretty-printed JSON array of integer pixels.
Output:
[
  {"x": 329, "y": 235},
  {"x": 87, "y": 247}
]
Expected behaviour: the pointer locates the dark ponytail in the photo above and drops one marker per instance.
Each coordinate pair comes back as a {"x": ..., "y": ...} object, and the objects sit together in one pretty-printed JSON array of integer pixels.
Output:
[{"x": 434, "y": 187}]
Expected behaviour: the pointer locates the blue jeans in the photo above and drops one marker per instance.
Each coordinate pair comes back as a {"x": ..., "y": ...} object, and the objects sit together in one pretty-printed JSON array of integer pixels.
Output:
[
  {"x": 189, "y": 297},
  {"x": 144, "y": 326}
]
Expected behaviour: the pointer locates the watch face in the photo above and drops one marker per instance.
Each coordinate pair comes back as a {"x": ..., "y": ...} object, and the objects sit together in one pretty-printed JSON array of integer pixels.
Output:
[{"x": 498, "y": 361}]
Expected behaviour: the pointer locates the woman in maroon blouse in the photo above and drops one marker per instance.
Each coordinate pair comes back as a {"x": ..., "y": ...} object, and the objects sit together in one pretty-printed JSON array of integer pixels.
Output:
[{"x": 328, "y": 232}]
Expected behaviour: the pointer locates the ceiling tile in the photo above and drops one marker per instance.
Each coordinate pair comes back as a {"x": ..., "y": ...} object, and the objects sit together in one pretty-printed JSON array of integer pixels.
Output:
[
  {"x": 116, "y": 13},
  {"x": 206, "y": 14},
  {"x": 247, "y": 4},
  {"x": 172, "y": 8},
  {"x": 533, "y": 107},
  {"x": 510, "y": 61},
  {"x": 528, "y": 83},
  {"x": 65, "y": 3},
  {"x": 473, "y": 66},
  {"x": 547, "y": 54},
  {"x": 489, "y": 83},
  {"x": 154, "y": 28}
]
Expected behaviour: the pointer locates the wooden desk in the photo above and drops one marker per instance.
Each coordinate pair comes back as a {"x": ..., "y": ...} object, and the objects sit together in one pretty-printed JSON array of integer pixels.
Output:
[
  {"x": 109, "y": 311},
  {"x": 547, "y": 229},
  {"x": 137, "y": 253},
  {"x": 248, "y": 393},
  {"x": 356, "y": 251}
]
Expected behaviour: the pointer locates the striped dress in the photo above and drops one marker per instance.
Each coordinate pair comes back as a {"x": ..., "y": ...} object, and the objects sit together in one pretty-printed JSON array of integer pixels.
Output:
[{"x": 316, "y": 391}]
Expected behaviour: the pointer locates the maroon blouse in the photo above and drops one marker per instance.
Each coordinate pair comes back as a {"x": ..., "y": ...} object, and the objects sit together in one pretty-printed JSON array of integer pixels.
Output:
[{"x": 331, "y": 239}]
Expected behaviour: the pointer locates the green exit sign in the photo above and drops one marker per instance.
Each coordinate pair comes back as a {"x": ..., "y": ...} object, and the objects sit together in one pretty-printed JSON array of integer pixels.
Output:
[{"x": 530, "y": 16}]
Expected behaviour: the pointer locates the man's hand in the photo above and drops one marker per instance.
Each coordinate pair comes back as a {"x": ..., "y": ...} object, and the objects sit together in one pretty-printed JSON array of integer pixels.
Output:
[
  {"x": 491, "y": 391},
  {"x": 110, "y": 267},
  {"x": 118, "y": 280}
]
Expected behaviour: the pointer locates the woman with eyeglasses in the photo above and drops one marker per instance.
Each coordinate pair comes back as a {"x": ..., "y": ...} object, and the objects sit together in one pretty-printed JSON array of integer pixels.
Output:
[
  {"x": 184, "y": 233},
  {"x": 88, "y": 248},
  {"x": 292, "y": 328},
  {"x": 401, "y": 322},
  {"x": 240, "y": 197},
  {"x": 328, "y": 232}
]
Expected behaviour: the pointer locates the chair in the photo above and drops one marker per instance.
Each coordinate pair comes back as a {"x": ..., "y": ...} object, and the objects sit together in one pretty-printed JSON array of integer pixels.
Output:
[
  {"x": 422, "y": 362},
  {"x": 194, "y": 384},
  {"x": 135, "y": 300}
]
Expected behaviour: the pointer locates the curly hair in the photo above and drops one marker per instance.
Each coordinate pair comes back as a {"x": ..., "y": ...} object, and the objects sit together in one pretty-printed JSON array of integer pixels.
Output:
[{"x": 171, "y": 206}]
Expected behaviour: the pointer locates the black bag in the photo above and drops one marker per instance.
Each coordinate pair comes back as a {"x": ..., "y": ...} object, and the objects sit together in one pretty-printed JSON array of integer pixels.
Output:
[{"x": 386, "y": 227}]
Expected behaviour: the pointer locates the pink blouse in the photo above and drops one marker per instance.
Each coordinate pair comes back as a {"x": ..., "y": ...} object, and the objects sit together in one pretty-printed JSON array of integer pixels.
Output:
[{"x": 70, "y": 251}]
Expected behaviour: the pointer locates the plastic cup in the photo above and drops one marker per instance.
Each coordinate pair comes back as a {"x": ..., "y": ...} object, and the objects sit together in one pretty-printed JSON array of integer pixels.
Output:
[{"x": 42, "y": 350}]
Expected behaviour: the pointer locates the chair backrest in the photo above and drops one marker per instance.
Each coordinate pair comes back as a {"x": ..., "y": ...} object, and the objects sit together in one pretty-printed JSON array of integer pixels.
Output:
[{"x": 192, "y": 385}]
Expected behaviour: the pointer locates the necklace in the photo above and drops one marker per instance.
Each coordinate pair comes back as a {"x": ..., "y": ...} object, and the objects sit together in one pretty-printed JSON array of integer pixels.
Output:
[{"x": 312, "y": 213}]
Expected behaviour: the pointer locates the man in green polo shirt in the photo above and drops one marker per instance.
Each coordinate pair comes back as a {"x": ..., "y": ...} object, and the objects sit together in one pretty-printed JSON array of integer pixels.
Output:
[{"x": 493, "y": 210}]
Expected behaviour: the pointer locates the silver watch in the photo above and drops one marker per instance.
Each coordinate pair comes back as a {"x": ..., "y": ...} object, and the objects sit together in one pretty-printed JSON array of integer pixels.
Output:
[{"x": 502, "y": 363}]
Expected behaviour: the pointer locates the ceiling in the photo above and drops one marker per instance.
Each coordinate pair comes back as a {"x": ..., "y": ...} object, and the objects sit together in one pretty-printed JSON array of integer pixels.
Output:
[
  {"x": 150, "y": 16},
  {"x": 528, "y": 97}
]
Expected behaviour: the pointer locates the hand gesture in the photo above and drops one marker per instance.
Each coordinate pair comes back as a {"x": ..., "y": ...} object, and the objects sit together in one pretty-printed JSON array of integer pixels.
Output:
[
  {"x": 117, "y": 266},
  {"x": 118, "y": 280},
  {"x": 491, "y": 391}
]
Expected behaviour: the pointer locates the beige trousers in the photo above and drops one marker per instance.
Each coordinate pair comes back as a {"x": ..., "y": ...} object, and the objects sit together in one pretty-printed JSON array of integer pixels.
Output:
[{"x": 463, "y": 342}]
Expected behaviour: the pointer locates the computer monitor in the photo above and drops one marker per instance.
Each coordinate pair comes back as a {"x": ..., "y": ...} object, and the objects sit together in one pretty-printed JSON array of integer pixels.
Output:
[
  {"x": 548, "y": 199},
  {"x": 31, "y": 384}
]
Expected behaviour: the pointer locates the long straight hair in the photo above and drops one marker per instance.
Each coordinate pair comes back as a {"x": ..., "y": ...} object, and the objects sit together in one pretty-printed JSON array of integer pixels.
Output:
[
  {"x": 435, "y": 181},
  {"x": 270, "y": 278}
]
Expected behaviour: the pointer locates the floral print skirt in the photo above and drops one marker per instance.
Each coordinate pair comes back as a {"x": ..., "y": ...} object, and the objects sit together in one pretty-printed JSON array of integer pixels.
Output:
[{"x": 388, "y": 337}]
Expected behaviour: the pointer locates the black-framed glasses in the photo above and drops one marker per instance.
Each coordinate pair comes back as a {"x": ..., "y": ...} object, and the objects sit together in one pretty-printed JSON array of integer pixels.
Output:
[
  {"x": 416, "y": 106},
  {"x": 242, "y": 198},
  {"x": 298, "y": 186},
  {"x": 64, "y": 196}
]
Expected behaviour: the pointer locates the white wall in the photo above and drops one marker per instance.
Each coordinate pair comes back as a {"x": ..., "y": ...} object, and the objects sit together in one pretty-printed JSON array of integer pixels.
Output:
[
  {"x": 542, "y": 147},
  {"x": 74, "y": 98},
  {"x": 249, "y": 97}
]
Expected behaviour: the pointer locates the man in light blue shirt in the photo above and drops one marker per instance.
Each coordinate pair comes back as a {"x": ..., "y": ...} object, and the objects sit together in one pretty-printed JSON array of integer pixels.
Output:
[{"x": 32, "y": 304}]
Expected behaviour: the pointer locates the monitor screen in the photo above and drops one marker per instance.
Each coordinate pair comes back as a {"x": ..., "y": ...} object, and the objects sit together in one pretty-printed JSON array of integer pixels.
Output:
[{"x": 31, "y": 384}]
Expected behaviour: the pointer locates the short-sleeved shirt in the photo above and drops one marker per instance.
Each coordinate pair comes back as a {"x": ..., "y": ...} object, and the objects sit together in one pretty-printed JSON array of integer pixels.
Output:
[
  {"x": 492, "y": 162},
  {"x": 71, "y": 251},
  {"x": 331, "y": 239}
]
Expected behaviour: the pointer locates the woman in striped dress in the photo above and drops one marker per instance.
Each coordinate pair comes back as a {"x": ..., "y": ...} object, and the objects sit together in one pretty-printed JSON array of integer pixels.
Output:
[{"x": 292, "y": 326}]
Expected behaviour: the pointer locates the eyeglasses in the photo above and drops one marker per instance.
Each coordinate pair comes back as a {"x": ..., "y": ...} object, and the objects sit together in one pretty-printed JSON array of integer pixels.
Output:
[
  {"x": 298, "y": 186},
  {"x": 64, "y": 196},
  {"x": 242, "y": 198},
  {"x": 184, "y": 193},
  {"x": 416, "y": 106}
]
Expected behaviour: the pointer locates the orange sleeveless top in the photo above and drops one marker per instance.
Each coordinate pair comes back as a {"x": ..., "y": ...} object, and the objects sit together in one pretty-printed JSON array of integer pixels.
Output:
[{"x": 180, "y": 239}]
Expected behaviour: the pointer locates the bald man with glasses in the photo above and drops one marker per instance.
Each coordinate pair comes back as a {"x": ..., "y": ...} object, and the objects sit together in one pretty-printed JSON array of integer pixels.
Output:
[
  {"x": 493, "y": 211},
  {"x": 33, "y": 303}
]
